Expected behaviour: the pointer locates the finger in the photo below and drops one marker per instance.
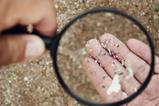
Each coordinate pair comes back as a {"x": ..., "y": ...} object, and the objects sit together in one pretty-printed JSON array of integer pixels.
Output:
[
  {"x": 135, "y": 46},
  {"x": 18, "y": 48},
  {"x": 42, "y": 15},
  {"x": 131, "y": 61},
  {"x": 111, "y": 66},
  {"x": 100, "y": 80},
  {"x": 48, "y": 23}
]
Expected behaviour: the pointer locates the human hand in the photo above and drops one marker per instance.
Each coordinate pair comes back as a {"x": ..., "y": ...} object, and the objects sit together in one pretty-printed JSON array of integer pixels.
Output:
[
  {"x": 127, "y": 65},
  {"x": 39, "y": 13}
]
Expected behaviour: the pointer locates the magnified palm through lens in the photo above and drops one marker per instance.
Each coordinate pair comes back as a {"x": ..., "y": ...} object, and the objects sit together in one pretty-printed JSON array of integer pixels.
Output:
[{"x": 96, "y": 58}]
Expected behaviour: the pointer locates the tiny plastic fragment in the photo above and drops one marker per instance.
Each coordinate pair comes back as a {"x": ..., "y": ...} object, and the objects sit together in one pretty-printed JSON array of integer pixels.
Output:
[{"x": 130, "y": 73}]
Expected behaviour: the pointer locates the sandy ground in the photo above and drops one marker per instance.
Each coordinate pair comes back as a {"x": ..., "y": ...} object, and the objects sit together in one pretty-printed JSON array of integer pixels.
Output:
[{"x": 33, "y": 83}]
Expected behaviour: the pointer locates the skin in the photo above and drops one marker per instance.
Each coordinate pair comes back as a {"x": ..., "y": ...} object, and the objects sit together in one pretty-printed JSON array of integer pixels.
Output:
[
  {"x": 136, "y": 55},
  {"x": 39, "y": 13}
]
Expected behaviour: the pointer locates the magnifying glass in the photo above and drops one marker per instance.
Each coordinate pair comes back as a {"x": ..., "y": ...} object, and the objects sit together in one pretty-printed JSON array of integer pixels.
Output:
[{"x": 91, "y": 60}]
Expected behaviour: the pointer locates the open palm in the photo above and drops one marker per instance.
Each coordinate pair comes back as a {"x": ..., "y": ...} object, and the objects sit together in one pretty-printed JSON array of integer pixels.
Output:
[{"x": 119, "y": 69}]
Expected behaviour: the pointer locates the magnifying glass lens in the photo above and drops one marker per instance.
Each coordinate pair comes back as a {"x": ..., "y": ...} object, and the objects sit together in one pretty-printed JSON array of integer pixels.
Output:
[{"x": 100, "y": 58}]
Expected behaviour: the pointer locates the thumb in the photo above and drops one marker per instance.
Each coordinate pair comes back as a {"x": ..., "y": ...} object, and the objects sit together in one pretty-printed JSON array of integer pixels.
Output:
[{"x": 18, "y": 48}]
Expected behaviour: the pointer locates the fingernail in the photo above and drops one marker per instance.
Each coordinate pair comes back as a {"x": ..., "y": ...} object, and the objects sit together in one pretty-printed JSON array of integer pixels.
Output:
[{"x": 34, "y": 49}]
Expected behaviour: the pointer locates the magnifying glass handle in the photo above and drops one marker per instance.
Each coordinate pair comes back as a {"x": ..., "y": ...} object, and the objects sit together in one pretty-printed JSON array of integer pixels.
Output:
[{"x": 23, "y": 30}]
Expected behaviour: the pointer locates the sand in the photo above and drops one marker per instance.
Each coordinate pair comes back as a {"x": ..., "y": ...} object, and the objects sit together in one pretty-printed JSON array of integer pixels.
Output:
[{"x": 33, "y": 83}]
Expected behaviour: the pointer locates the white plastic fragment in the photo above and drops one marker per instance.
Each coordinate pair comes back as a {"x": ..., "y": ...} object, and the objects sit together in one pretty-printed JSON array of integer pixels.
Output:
[
  {"x": 115, "y": 85},
  {"x": 130, "y": 72},
  {"x": 102, "y": 44},
  {"x": 96, "y": 61},
  {"x": 109, "y": 51}
]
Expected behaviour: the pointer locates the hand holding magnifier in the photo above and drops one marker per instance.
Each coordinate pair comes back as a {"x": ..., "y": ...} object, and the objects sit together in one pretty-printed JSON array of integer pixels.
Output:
[{"x": 63, "y": 48}]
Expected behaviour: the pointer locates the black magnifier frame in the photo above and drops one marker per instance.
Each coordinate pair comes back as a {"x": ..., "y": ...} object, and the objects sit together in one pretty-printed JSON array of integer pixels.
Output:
[
  {"x": 53, "y": 44},
  {"x": 54, "y": 50}
]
